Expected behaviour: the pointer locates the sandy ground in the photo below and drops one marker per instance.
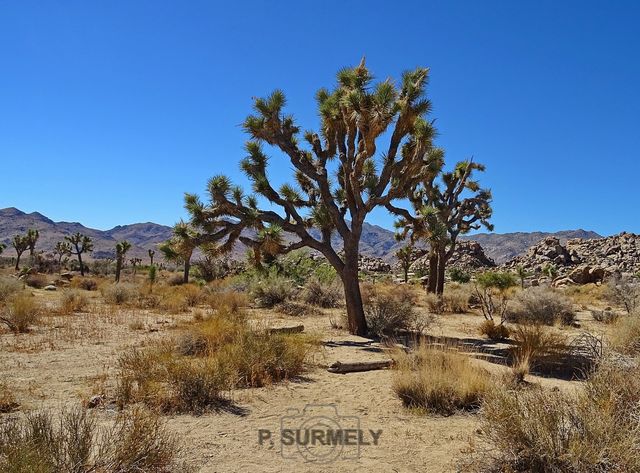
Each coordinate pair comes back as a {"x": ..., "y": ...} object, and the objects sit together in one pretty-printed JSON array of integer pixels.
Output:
[{"x": 72, "y": 357}]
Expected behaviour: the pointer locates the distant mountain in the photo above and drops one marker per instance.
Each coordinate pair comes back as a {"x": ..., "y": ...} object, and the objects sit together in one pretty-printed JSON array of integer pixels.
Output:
[
  {"x": 142, "y": 236},
  {"x": 376, "y": 241}
]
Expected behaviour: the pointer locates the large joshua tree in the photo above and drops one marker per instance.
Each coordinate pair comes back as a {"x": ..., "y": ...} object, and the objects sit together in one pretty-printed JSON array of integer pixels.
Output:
[
  {"x": 79, "y": 244},
  {"x": 446, "y": 206},
  {"x": 342, "y": 173}
]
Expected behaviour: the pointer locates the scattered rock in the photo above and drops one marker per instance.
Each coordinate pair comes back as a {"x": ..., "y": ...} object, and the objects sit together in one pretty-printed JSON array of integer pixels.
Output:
[{"x": 50, "y": 287}]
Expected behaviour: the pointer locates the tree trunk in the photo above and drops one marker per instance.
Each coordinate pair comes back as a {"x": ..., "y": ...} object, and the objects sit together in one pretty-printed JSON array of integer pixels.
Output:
[
  {"x": 18, "y": 261},
  {"x": 118, "y": 269},
  {"x": 442, "y": 266},
  {"x": 187, "y": 266},
  {"x": 433, "y": 273},
  {"x": 352, "y": 295},
  {"x": 81, "y": 265},
  {"x": 151, "y": 258},
  {"x": 406, "y": 275}
]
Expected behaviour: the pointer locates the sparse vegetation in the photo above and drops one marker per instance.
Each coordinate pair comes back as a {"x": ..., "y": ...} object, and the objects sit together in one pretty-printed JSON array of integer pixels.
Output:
[
  {"x": 322, "y": 294},
  {"x": 118, "y": 294},
  {"x": 623, "y": 292},
  {"x": 270, "y": 291},
  {"x": 625, "y": 335},
  {"x": 40, "y": 443},
  {"x": 492, "y": 290},
  {"x": 72, "y": 301},
  {"x": 494, "y": 331},
  {"x": 8, "y": 287},
  {"x": 388, "y": 311},
  {"x": 20, "y": 313}
]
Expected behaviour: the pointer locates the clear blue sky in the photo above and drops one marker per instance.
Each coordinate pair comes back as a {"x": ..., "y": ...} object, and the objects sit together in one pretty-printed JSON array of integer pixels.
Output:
[{"x": 111, "y": 110}]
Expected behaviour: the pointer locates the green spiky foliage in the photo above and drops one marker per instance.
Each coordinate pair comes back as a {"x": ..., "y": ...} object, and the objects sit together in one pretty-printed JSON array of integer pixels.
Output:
[
  {"x": 62, "y": 250},
  {"x": 405, "y": 258},
  {"x": 20, "y": 244},
  {"x": 446, "y": 206},
  {"x": 374, "y": 144},
  {"x": 122, "y": 247},
  {"x": 32, "y": 238},
  {"x": 179, "y": 248},
  {"x": 79, "y": 244}
]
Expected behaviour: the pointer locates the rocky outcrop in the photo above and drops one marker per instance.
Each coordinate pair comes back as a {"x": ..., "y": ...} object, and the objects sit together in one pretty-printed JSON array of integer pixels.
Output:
[
  {"x": 581, "y": 261},
  {"x": 468, "y": 256}
]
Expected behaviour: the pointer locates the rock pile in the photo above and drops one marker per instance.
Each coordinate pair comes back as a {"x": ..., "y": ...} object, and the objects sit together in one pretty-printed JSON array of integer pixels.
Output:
[
  {"x": 468, "y": 256},
  {"x": 582, "y": 261}
]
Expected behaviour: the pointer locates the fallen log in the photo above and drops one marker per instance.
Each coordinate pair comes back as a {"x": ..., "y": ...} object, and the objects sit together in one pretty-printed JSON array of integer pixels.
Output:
[
  {"x": 290, "y": 329},
  {"x": 357, "y": 366}
]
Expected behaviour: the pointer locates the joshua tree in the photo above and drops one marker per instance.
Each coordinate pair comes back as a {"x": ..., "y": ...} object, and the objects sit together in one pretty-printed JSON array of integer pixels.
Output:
[
  {"x": 180, "y": 247},
  {"x": 405, "y": 257},
  {"x": 20, "y": 243},
  {"x": 522, "y": 275},
  {"x": 32, "y": 238},
  {"x": 445, "y": 210},
  {"x": 152, "y": 253},
  {"x": 61, "y": 250},
  {"x": 2, "y": 247},
  {"x": 80, "y": 244},
  {"x": 134, "y": 263},
  {"x": 152, "y": 277},
  {"x": 121, "y": 251},
  {"x": 339, "y": 177}
]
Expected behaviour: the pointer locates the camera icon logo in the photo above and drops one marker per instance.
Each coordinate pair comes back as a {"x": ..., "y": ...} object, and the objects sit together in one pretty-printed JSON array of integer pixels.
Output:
[{"x": 319, "y": 434}]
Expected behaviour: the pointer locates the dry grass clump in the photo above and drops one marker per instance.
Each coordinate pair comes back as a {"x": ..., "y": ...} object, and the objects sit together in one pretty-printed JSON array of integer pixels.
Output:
[
  {"x": 8, "y": 287},
  {"x": 227, "y": 300},
  {"x": 271, "y": 291},
  {"x": 586, "y": 294},
  {"x": 74, "y": 442},
  {"x": 119, "y": 294},
  {"x": 494, "y": 331},
  {"x": 541, "y": 305},
  {"x": 434, "y": 303},
  {"x": 592, "y": 430},
  {"x": 536, "y": 345},
  {"x": 456, "y": 299},
  {"x": 606, "y": 316},
  {"x": 72, "y": 301},
  {"x": 388, "y": 311},
  {"x": 296, "y": 309},
  {"x": 322, "y": 294},
  {"x": 20, "y": 313},
  {"x": 625, "y": 335},
  {"x": 623, "y": 292},
  {"x": 439, "y": 381},
  {"x": 37, "y": 280},
  {"x": 87, "y": 284},
  {"x": 212, "y": 357}
]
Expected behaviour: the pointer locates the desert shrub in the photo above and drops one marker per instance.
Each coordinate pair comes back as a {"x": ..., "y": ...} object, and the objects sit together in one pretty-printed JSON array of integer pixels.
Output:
[
  {"x": 270, "y": 291},
  {"x": 20, "y": 313},
  {"x": 388, "y": 311},
  {"x": 439, "y": 381},
  {"x": 322, "y": 294},
  {"x": 175, "y": 280},
  {"x": 87, "y": 284},
  {"x": 492, "y": 291},
  {"x": 37, "y": 281},
  {"x": 494, "y": 331},
  {"x": 625, "y": 335},
  {"x": 296, "y": 309},
  {"x": 9, "y": 287},
  {"x": 541, "y": 305},
  {"x": 211, "y": 357},
  {"x": 435, "y": 303},
  {"x": 459, "y": 275},
  {"x": 227, "y": 300},
  {"x": 605, "y": 316},
  {"x": 539, "y": 430},
  {"x": 456, "y": 299},
  {"x": 38, "y": 443},
  {"x": 118, "y": 294},
  {"x": 72, "y": 301},
  {"x": 623, "y": 292},
  {"x": 536, "y": 345}
]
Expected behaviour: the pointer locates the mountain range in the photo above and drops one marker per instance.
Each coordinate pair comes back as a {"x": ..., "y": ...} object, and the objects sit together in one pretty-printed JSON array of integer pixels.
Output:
[{"x": 376, "y": 241}]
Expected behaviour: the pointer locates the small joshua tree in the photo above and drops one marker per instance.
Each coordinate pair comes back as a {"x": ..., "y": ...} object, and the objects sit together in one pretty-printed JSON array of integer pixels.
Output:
[
  {"x": 79, "y": 244},
  {"x": 522, "y": 275},
  {"x": 151, "y": 277},
  {"x": 134, "y": 264},
  {"x": 121, "y": 251},
  {"x": 20, "y": 243},
  {"x": 32, "y": 238},
  {"x": 151, "y": 253},
  {"x": 405, "y": 257},
  {"x": 2, "y": 247},
  {"x": 180, "y": 247},
  {"x": 61, "y": 251}
]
